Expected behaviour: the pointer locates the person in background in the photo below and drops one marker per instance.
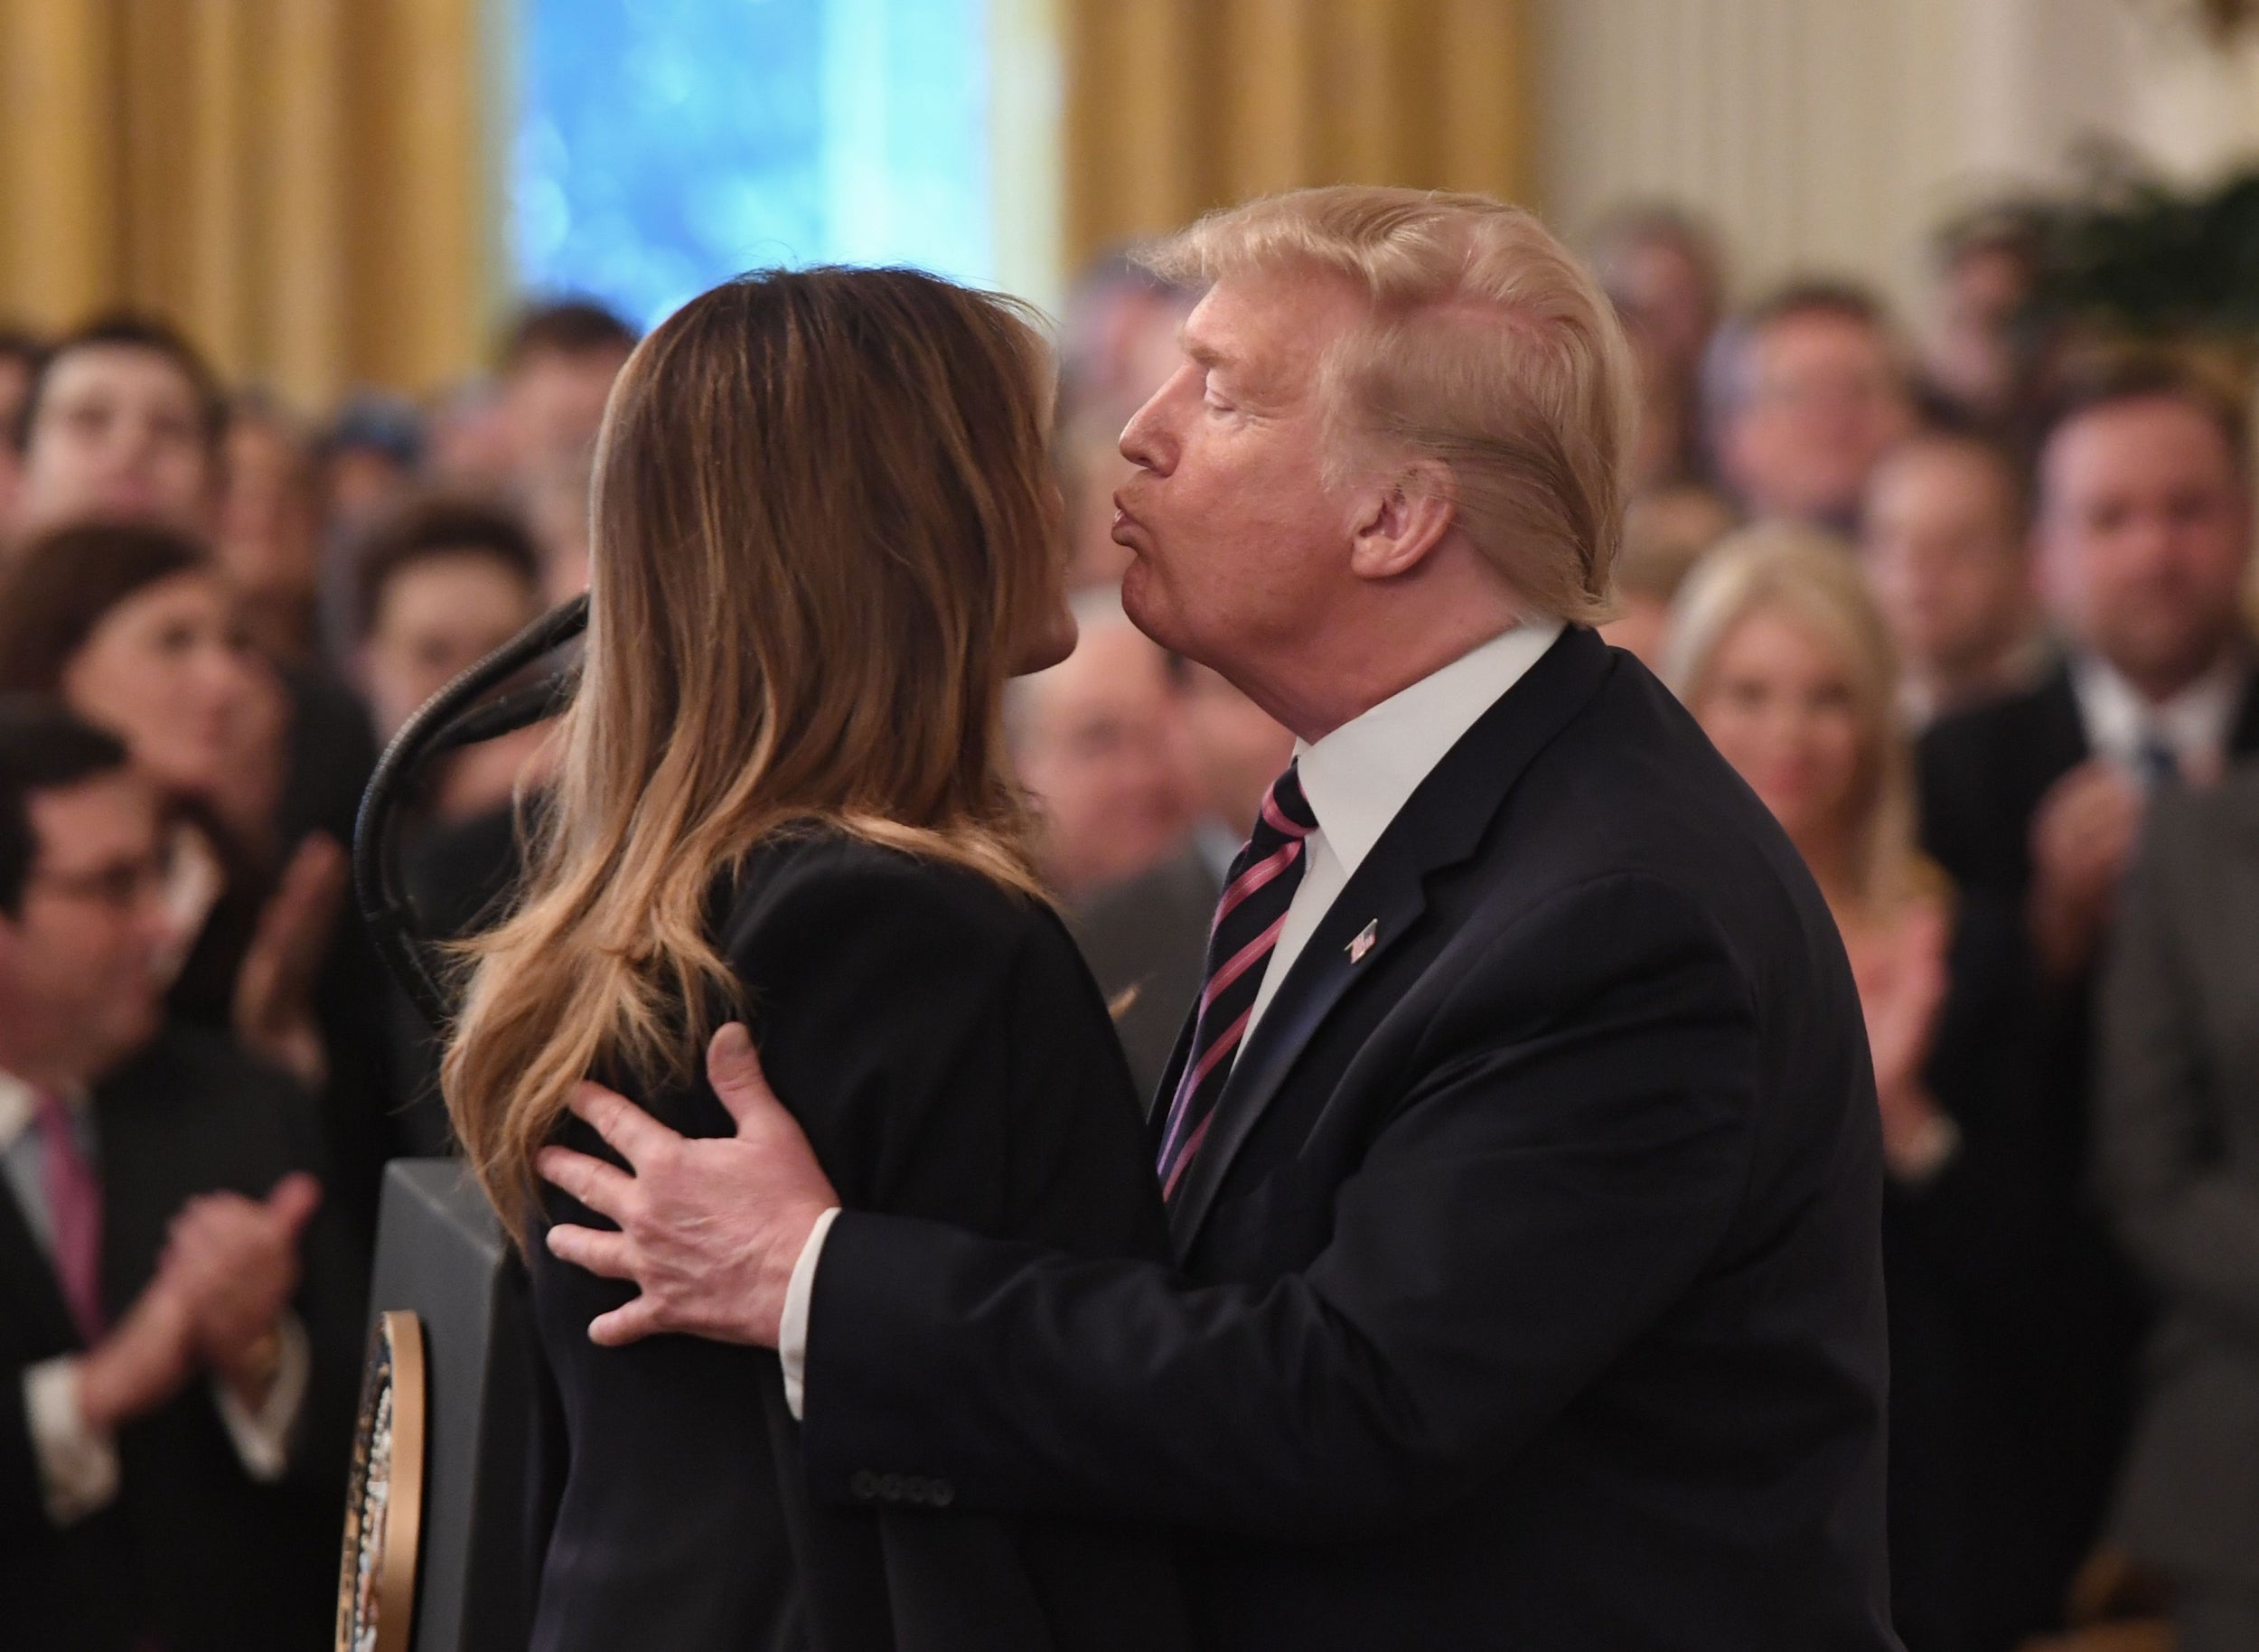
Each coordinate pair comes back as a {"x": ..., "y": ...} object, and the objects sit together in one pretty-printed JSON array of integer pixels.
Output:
[
  {"x": 1087, "y": 454},
  {"x": 1804, "y": 393},
  {"x": 2177, "y": 1106},
  {"x": 1660, "y": 268},
  {"x": 1093, "y": 739},
  {"x": 269, "y": 535},
  {"x": 1784, "y": 658},
  {"x": 555, "y": 369},
  {"x": 366, "y": 458},
  {"x": 179, "y": 1314},
  {"x": 2034, "y": 804},
  {"x": 445, "y": 582},
  {"x": 1147, "y": 937},
  {"x": 133, "y": 627},
  {"x": 1118, "y": 339},
  {"x": 1984, "y": 266},
  {"x": 471, "y": 445},
  {"x": 556, "y": 510},
  {"x": 124, "y": 420},
  {"x": 1946, "y": 539},
  {"x": 20, "y": 353},
  {"x": 1665, "y": 534}
]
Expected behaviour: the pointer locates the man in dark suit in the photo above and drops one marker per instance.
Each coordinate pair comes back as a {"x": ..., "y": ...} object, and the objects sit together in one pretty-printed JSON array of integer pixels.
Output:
[
  {"x": 2176, "y": 1104},
  {"x": 2033, "y": 806},
  {"x": 1148, "y": 938},
  {"x": 1521, "y": 1158},
  {"x": 177, "y": 1321}
]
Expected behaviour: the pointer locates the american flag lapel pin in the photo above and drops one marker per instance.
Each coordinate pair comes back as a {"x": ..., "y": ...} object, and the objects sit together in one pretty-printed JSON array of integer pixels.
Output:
[{"x": 1363, "y": 944}]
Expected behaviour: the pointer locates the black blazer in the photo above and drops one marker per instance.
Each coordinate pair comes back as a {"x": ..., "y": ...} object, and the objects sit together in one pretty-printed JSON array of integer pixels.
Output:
[
  {"x": 1527, "y": 1292},
  {"x": 949, "y": 1058},
  {"x": 192, "y": 1550}
]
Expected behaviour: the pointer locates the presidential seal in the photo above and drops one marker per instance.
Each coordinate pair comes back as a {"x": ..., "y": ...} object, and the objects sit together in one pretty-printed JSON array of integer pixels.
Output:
[{"x": 384, "y": 1498}]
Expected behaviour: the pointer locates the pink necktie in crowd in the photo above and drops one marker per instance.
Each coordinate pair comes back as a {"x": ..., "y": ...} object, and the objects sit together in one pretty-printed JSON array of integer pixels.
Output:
[{"x": 74, "y": 1206}]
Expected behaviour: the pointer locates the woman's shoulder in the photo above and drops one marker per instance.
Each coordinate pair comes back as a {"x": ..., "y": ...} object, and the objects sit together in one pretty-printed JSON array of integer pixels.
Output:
[{"x": 821, "y": 889}]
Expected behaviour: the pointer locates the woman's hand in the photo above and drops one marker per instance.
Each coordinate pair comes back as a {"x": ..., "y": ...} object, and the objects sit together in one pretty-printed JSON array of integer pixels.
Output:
[
  {"x": 1901, "y": 976},
  {"x": 274, "y": 990}
]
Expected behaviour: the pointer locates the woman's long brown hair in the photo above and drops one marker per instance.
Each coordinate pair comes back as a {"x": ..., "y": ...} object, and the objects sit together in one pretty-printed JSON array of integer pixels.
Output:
[{"x": 822, "y": 519}]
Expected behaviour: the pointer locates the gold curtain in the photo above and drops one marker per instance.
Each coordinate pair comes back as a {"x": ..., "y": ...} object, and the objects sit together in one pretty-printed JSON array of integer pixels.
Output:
[
  {"x": 300, "y": 184},
  {"x": 1176, "y": 106}
]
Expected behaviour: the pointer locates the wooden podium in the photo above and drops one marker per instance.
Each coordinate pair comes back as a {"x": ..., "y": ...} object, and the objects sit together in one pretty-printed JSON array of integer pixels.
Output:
[{"x": 435, "y": 1556}]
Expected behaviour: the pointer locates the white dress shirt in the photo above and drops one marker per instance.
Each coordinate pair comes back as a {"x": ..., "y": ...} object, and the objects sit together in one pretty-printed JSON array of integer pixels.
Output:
[
  {"x": 78, "y": 1465},
  {"x": 2195, "y": 724},
  {"x": 1357, "y": 780}
]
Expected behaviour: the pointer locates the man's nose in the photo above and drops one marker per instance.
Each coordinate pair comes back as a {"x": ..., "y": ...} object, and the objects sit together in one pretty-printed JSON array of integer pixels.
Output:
[{"x": 1149, "y": 440}]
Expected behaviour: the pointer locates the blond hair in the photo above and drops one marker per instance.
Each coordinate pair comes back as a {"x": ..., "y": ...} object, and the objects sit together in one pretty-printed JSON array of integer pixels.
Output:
[
  {"x": 1811, "y": 574},
  {"x": 821, "y": 518},
  {"x": 1487, "y": 347}
]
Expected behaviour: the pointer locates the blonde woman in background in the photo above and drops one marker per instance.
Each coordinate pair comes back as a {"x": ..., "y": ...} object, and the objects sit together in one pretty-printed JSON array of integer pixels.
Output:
[{"x": 1778, "y": 649}]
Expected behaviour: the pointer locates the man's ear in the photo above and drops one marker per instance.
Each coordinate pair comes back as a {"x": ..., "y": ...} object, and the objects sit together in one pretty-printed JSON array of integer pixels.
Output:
[{"x": 1405, "y": 517}]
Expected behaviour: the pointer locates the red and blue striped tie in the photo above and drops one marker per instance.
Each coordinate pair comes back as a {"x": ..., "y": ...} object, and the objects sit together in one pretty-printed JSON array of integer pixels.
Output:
[{"x": 1253, "y": 909}]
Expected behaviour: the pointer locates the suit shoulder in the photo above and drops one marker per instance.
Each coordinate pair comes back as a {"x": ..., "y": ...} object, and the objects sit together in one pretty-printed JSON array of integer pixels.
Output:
[
  {"x": 2010, "y": 723},
  {"x": 207, "y": 1064}
]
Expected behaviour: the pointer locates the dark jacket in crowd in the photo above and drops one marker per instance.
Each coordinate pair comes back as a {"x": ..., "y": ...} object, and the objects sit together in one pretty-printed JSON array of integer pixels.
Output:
[
  {"x": 2179, "y": 1124},
  {"x": 2016, "y": 1317},
  {"x": 1526, "y": 1293},
  {"x": 192, "y": 1553},
  {"x": 949, "y": 1058},
  {"x": 1149, "y": 938}
]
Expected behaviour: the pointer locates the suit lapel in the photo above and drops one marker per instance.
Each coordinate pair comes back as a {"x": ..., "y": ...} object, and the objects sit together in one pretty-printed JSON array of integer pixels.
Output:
[
  {"x": 1441, "y": 826},
  {"x": 27, "y": 1280},
  {"x": 2243, "y": 740}
]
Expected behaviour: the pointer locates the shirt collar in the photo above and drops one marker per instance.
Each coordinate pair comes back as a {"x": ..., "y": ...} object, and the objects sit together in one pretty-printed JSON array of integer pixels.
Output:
[
  {"x": 1358, "y": 778},
  {"x": 19, "y": 1104},
  {"x": 16, "y": 1105},
  {"x": 2195, "y": 722}
]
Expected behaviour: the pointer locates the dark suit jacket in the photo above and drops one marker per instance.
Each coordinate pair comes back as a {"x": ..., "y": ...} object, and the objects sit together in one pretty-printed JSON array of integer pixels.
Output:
[
  {"x": 192, "y": 1550},
  {"x": 1150, "y": 936},
  {"x": 2177, "y": 1120},
  {"x": 949, "y": 1058},
  {"x": 2029, "y": 1315},
  {"x": 1527, "y": 1292}
]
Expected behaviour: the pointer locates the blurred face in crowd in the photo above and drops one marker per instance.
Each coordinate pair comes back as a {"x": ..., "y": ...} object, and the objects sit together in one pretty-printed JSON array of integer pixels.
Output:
[
  {"x": 1667, "y": 293},
  {"x": 79, "y": 962},
  {"x": 552, "y": 403},
  {"x": 1233, "y": 748},
  {"x": 267, "y": 531},
  {"x": 1946, "y": 554},
  {"x": 1970, "y": 355},
  {"x": 166, "y": 671},
  {"x": 437, "y": 616},
  {"x": 119, "y": 433},
  {"x": 2144, "y": 536},
  {"x": 1780, "y": 705},
  {"x": 1820, "y": 400},
  {"x": 1240, "y": 544},
  {"x": 1096, "y": 748}
]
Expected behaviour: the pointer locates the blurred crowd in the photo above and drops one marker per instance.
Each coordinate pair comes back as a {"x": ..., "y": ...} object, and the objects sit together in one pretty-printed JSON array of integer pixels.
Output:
[{"x": 1965, "y": 605}]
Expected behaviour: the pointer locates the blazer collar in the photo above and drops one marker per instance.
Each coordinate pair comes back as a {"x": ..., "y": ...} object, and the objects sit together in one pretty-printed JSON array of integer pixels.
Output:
[{"x": 1441, "y": 826}]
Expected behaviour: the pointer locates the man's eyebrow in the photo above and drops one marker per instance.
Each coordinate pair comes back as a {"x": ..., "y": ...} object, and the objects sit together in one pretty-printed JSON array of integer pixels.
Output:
[{"x": 1203, "y": 355}]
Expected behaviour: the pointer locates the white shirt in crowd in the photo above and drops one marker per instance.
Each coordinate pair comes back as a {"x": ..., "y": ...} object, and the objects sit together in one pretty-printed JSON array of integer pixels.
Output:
[
  {"x": 78, "y": 1467},
  {"x": 1357, "y": 780},
  {"x": 2195, "y": 724}
]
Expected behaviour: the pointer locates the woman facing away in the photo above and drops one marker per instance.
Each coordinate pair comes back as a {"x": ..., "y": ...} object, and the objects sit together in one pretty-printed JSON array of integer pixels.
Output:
[{"x": 824, "y": 536}]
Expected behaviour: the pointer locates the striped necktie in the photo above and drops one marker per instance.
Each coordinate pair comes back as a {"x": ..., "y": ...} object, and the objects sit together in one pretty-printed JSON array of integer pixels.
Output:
[
  {"x": 1257, "y": 892},
  {"x": 74, "y": 1210}
]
